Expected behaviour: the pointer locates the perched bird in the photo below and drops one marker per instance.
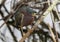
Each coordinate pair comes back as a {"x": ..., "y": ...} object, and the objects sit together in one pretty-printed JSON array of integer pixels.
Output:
[{"x": 24, "y": 16}]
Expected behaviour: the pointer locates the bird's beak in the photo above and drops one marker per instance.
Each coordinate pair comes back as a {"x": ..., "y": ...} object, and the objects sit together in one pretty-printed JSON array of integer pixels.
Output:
[{"x": 34, "y": 14}]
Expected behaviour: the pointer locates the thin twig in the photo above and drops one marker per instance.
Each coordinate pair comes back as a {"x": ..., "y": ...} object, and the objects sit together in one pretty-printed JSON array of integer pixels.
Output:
[
  {"x": 14, "y": 38},
  {"x": 52, "y": 34}
]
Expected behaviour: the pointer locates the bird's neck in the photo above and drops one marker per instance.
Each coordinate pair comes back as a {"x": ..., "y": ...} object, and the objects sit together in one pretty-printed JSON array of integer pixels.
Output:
[{"x": 27, "y": 14}]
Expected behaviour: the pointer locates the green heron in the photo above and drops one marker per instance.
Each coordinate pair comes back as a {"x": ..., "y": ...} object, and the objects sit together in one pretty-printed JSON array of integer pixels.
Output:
[{"x": 24, "y": 16}]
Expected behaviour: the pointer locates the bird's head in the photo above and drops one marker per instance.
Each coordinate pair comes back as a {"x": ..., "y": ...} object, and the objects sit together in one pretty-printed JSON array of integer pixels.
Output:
[
  {"x": 31, "y": 11},
  {"x": 34, "y": 13},
  {"x": 28, "y": 9}
]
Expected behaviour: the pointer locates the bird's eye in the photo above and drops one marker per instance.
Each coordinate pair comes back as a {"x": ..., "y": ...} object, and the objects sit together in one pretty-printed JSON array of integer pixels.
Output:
[{"x": 33, "y": 14}]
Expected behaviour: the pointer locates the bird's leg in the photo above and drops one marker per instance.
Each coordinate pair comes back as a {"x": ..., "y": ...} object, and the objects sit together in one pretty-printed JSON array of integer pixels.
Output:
[
  {"x": 21, "y": 27},
  {"x": 15, "y": 23}
]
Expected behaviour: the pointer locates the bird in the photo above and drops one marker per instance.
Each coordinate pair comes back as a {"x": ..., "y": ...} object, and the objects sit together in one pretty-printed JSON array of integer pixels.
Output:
[
  {"x": 24, "y": 16},
  {"x": 28, "y": 16}
]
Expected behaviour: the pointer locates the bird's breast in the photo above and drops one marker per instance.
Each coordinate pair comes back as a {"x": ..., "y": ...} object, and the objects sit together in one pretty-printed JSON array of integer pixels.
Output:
[{"x": 28, "y": 20}]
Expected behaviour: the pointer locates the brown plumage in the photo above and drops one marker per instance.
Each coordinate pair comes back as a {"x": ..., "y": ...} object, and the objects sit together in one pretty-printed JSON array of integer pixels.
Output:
[{"x": 28, "y": 19}]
